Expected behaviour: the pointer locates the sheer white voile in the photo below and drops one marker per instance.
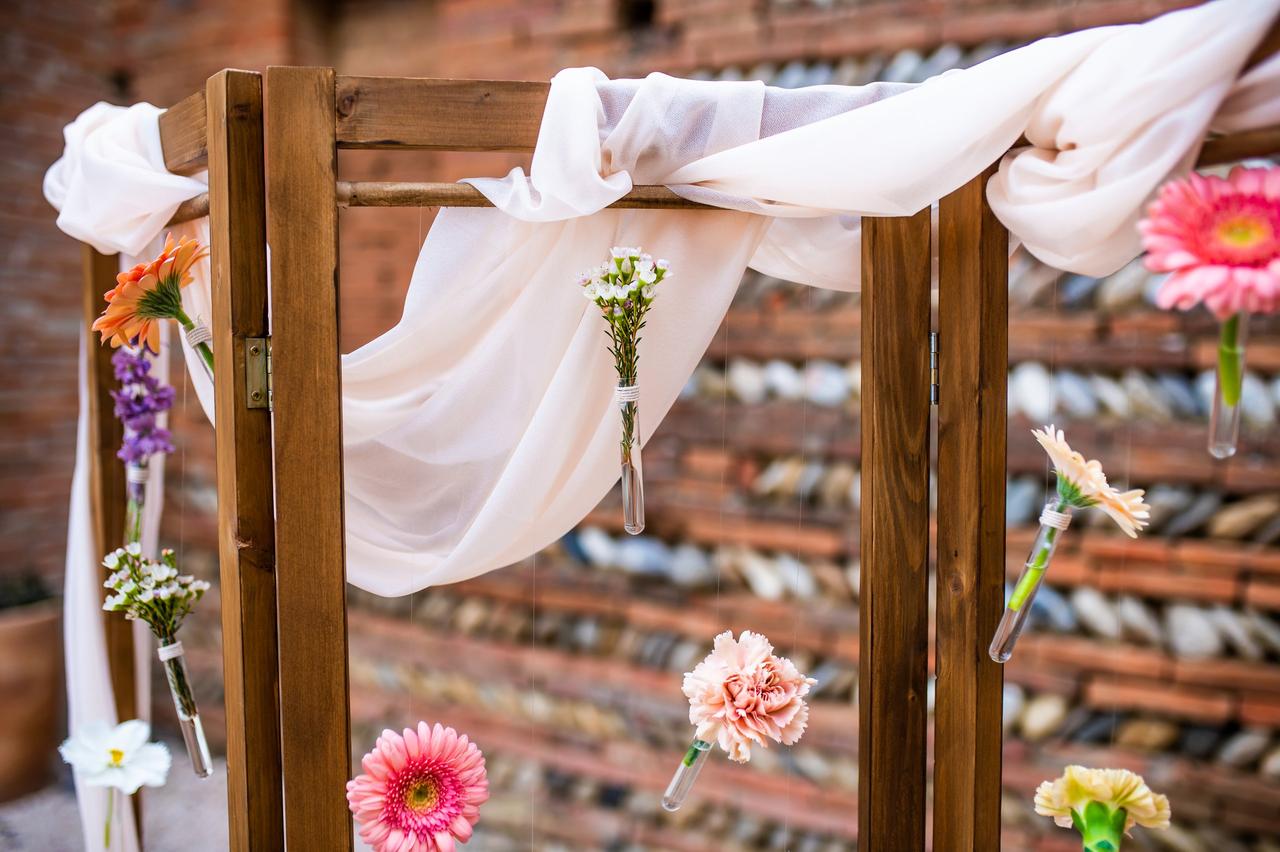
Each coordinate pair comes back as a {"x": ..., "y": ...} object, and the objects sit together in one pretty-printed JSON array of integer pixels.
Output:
[{"x": 481, "y": 427}]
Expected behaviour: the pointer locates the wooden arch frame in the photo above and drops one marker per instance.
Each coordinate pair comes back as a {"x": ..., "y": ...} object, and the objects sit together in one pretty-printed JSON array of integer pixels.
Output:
[{"x": 283, "y": 573}]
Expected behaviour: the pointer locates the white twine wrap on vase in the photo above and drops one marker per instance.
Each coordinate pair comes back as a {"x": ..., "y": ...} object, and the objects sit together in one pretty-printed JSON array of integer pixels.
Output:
[
  {"x": 197, "y": 334},
  {"x": 138, "y": 474},
  {"x": 169, "y": 652},
  {"x": 627, "y": 393},
  {"x": 1057, "y": 520}
]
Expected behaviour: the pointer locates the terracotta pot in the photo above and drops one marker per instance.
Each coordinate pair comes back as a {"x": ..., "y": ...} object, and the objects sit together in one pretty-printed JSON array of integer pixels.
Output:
[{"x": 31, "y": 681}]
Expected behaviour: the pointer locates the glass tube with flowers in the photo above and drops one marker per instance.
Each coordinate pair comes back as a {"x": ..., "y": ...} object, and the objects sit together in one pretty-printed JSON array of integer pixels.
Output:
[
  {"x": 741, "y": 695},
  {"x": 139, "y": 402},
  {"x": 150, "y": 293},
  {"x": 1219, "y": 240},
  {"x": 155, "y": 593},
  {"x": 1081, "y": 485},
  {"x": 624, "y": 287}
]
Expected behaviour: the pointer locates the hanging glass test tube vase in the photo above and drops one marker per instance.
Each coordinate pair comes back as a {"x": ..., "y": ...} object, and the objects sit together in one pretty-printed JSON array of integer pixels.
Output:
[
  {"x": 623, "y": 288},
  {"x": 184, "y": 702},
  {"x": 686, "y": 773},
  {"x": 1055, "y": 518},
  {"x": 1224, "y": 413},
  {"x": 628, "y": 396},
  {"x": 136, "y": 476}
]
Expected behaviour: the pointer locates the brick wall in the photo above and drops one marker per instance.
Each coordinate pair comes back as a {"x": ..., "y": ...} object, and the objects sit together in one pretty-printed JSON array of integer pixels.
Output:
[{"x": 61, "y": 57}]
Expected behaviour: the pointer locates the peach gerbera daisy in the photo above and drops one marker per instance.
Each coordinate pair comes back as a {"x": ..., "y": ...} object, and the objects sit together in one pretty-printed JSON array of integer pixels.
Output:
[
  {"x": 148, "y": 293},
  {"x": 420, "y": 791},
  {"x": 742, "y": 694},
  {"x": 1102, "y": 803},
  {"x": 1220, "y": 239},
  {"x": 1082, "y": 484}
]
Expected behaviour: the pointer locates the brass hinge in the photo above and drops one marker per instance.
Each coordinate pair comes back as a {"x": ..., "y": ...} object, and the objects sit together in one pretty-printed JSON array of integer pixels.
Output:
[
  {"x": 933, "y": 368},
  {"x": 257, "y": 372}
]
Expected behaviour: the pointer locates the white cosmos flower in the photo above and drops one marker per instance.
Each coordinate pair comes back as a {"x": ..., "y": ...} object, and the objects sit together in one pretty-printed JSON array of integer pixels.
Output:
[
  {"x": 619, "y": 252},
  {"x": 118, "y": 757},
  {"x": 649, "y": 290},
  {"x": 133, "y": 549},
  {"x": 111, "y": 561},
  {"x": 589, "y": 291},
  {"x": 661, "y": 264},
  {"x": 201, "y": 586}
]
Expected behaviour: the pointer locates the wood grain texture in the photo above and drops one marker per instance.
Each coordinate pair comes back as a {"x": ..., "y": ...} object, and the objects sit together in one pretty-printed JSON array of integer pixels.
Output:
[
  {"x": 182, "y": 136},
  {"x": 413, "y": 194},
  {"x": 246, "y": 519},
  {"x": 447, "y": 115},
  {"x": 973, "y": 329},
  {"x": 107, "y": 486},
  {"x": 893, "y": 617},
  {"x": 302, "y": 230},
  {"x": 1218, "y": 150},
  {"x": 106, "y": 473}
]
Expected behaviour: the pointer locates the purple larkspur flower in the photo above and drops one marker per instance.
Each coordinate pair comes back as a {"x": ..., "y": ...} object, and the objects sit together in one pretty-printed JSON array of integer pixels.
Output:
[{"x": 140, "y": 398}]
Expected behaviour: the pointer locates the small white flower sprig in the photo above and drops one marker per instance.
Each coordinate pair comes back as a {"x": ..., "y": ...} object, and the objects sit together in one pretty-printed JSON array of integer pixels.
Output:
[
  {"x": 153, "y": 592},
  {"x": 624, "y": 287}
]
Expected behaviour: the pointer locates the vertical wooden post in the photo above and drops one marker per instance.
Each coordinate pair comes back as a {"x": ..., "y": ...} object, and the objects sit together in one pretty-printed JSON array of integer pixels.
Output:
[
  {"x": 106, "y": 474},
  {"x": 973, "y": 320},
  {"x": 246, "y": 523},
  {"x": 893, "y": 615},
  {"x": 302, "y": 230},
  {"x": 107, "y": 487}
]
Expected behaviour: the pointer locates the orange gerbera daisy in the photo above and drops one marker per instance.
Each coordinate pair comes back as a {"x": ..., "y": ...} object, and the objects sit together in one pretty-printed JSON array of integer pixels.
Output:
[{"x": 147, "y": 293}]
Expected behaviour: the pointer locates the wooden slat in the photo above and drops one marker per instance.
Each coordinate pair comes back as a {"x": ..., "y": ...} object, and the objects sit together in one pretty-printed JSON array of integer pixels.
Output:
[
  {"x": 302, "y": 230},
  {"x": 973, "y": 328},
  {"x": 106, "y": 473},
  {"x": 410, "y": 194},
  {"x": 107, "y": 487},
  {"x": 893, "y": 623},
  {"x": 246, "y": 523},
  {"x": 447, "y": 115},
  {"x": 182, "y": 136},
  {"x": 190, "y": 210},
  {"x": 1263, "y": 142}
]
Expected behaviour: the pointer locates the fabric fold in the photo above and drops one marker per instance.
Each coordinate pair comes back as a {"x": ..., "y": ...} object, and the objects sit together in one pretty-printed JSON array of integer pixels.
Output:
[{"x": 480, "y": 427}]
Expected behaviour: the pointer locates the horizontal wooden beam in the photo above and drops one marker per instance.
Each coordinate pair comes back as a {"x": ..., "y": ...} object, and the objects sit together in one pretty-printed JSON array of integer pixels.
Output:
[
  {"x": 183, "y": 137},
  {"x": 1263, "y": 142},
  {"x": 414, "y": 113},
  {"x": 189, "y": 210},
  {"x": 407, "y": 194}
]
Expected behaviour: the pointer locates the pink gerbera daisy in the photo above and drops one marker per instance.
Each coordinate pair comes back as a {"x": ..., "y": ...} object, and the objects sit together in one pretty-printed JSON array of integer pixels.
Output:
[
  {"x": 420, "y": 792},
  {"x": 1220, "y": 239}
]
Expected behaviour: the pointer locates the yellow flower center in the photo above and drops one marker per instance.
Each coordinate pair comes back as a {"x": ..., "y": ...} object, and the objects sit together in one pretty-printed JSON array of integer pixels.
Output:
[
  {"x": 422, "y": 795},
  {"x": 1243, "y": 231},
  {"x": 117, "y": 757}
]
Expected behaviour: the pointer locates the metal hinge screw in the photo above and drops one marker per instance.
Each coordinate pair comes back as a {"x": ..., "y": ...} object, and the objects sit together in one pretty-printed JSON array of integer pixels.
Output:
[{"x": 257, "y": 372}]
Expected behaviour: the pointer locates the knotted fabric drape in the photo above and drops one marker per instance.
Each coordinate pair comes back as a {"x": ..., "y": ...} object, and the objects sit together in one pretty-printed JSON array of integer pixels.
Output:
[{"x": 481, "y": 427}]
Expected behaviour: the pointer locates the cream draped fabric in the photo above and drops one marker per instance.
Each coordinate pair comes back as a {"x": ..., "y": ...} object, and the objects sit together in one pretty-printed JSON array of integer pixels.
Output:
[{"x": 481, "y": 427}]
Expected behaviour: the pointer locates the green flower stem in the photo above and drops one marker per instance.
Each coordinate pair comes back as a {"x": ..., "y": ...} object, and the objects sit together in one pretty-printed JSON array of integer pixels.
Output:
[
  {"x": 1230, "y": 360},
  {"x": 132, "y": 518},
  {"x": 1101, "y": 829},
  {"x": 175, "y": 670},
  {"x": 695, "y": 748},
  {"x": 1030, "y": 579},
  {"x": 202, "y": 348},
  {"x": 111, "y": 806}
]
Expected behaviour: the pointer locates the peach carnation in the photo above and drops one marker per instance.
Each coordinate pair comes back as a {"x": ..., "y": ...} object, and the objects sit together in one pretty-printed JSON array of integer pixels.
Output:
[
  {"x": 420, "y": 791},
  {"x": 1220, "y": 239},
  {"x": 742, "y": 694}
]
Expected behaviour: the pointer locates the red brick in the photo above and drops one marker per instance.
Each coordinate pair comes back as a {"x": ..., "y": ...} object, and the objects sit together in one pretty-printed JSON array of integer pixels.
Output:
[{"x": 1179, "y": 702}]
